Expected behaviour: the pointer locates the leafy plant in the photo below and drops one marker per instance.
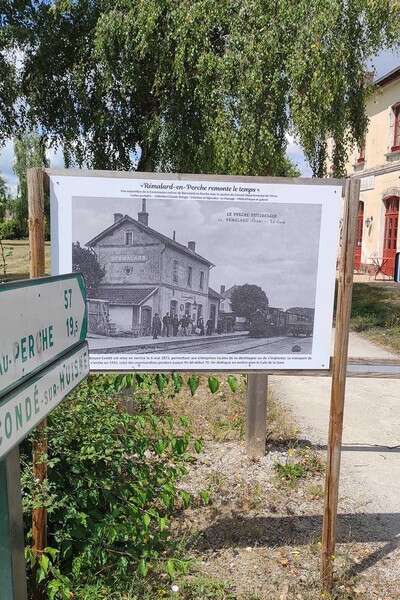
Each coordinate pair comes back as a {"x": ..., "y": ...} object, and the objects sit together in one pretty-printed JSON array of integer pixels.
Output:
[
  {"x": 290, "y": 471},
  {"x": 46, "y": 573},
  {"x": 112, "y": 486}
]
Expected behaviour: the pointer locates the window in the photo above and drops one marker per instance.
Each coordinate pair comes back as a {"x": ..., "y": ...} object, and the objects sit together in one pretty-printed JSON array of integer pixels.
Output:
[
  {"x": 128, "y": 238},
  {"x": 361, "y": 152},
  {"x": 396, "y": 135},
  {"x": 189, "y": 279},
  {"x": 201, "y": 280},
  {"x": 175, "y": 271}
]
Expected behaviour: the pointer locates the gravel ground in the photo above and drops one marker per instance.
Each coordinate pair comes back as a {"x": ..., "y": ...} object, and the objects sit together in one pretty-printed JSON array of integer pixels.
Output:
[{"x": 262, "y": 534}]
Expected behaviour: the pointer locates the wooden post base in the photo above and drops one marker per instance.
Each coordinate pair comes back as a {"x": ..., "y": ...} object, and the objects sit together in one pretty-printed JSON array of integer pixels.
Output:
[{"x": 256, "y": 427}]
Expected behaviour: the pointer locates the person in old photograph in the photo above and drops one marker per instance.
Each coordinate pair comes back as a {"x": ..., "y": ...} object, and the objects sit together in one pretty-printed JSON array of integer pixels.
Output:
[
  {"x": 175, "y": 325},
  {"x": 156, "y": 326},
  {"x": 166, "y": 324}
]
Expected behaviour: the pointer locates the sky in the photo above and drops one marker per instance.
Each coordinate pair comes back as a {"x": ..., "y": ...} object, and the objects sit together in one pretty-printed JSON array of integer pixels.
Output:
[
  {"x": 382, "y": 63},
  {"x": 241, "y": 252}
]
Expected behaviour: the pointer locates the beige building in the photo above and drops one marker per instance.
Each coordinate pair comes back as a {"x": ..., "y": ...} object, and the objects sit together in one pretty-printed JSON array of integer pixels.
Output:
[{"x": 377, "y": 163}]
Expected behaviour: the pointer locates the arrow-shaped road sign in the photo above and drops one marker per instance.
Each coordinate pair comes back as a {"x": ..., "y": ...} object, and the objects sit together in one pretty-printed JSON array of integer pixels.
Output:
[
  {"x": 30, "y": 403},
  {"x": 40, "y": 320}
]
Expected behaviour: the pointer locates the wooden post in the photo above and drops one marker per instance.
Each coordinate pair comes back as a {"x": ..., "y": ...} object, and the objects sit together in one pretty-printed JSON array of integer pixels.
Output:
[
  {"x": 343, "y": 310},
  {"x": 256, "y": 427},
  {"x": 35, "y": 181},
  {"x": 36, "y": 222},
  {"x": 12, "y": 563}
]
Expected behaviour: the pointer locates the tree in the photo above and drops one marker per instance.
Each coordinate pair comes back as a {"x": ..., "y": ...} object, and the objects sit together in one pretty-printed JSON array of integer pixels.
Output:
[
  {"x": 29, "y": 152},
  {"x": 8, "y": 79},
  {"x": 248, "y": 298},
  {"x": 199, "y": 86},
  {"x": 4, "y": 198},
  {"x": 85, "y": 261}
]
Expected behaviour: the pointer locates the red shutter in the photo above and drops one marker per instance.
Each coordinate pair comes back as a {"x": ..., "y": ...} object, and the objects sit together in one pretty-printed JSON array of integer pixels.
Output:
[
  {"x": 396, "y": 135},
  {"x": 359, "y": 236},
  {"x": 390, "y": 235}
]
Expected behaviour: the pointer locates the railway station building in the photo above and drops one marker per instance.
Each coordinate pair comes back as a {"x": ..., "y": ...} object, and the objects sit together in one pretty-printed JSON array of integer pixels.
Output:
[
  {"x": 377, "y": 164},
  {"x": 147, "y": 272}
]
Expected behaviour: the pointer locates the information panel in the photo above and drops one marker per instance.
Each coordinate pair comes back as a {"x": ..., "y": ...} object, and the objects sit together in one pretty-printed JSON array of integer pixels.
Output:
[{"x": 200, "y": 272}]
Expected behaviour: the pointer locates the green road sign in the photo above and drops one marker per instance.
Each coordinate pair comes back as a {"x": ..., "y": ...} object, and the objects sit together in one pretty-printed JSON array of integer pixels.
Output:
[
  {"x": 30, "y": 403},
  {"x": 40, "y": 320}
]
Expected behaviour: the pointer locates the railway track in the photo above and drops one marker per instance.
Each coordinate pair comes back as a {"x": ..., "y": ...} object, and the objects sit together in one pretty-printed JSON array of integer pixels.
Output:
[{"x": 199, "y": 345}]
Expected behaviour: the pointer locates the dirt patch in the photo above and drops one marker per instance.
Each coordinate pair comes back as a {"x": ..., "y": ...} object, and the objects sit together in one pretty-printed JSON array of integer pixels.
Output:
[
  {"x": 259, "y": 536},
  {"x": 221, "y": 416}
]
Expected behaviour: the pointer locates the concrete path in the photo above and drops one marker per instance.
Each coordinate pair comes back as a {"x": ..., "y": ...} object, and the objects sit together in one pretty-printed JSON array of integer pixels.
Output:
[{"x": 370, "y": 472}]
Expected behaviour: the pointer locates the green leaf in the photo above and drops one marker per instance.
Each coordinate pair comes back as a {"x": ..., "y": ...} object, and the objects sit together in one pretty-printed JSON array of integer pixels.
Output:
[
  {"x": 193, "y": 383},
  {"x": 186, "y": 498},
  {"x": 40, "y": 575},
  {"x": 177, "y": 380},
  {"x": 143, "y": 567},
  {"x": 233, "y": 383},
  {"x": 213, "y": 384},
  {"x": 184, "y": 421},
  {"x": 51, "y": 551},
  {"x": 205, "y": 496},
  {"x": 163, "y": 523},
  {"x": 198, "y": 446},
  {"x": 44, "y": 563},
  {"x": 161, "y": 381},
  {"x": 146, "y": 520},
  {"x": 170, "y": 568}
]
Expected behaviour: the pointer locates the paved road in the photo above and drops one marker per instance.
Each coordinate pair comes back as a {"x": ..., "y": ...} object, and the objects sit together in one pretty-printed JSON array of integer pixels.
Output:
[{"x": 370, "y": 473}]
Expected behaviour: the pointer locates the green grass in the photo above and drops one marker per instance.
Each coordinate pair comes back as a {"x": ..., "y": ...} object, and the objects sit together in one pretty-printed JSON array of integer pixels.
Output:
[
  {"x": 376, "y": 313},
  {"x": 17, "y": 259}
]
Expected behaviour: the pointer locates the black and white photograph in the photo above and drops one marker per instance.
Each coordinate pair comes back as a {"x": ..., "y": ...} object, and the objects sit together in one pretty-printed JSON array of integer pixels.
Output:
[{"x": 208, "y": 273}]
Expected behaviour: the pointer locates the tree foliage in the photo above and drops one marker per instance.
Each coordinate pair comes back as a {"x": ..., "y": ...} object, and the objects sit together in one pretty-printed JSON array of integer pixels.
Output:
[
  {"x": 4, "y": 198},
  {"x": 29, "y": 151},
  {"x": 8, "y": 79},
  {"x": 248, "y": 298},
  {"x": 85, "y": 261},
  {"x": 199, "y": 86}
]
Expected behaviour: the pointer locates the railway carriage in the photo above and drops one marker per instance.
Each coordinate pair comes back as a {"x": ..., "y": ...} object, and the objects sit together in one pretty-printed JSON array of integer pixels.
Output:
[{"x": 278, "y": 322}]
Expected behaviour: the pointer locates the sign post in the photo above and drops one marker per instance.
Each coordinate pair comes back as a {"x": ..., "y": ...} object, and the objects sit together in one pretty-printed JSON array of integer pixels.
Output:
[
  {"x": 12, "y": 563},
  {"x": 345, "y": 289},
  {"x": 43, "y": 357}
]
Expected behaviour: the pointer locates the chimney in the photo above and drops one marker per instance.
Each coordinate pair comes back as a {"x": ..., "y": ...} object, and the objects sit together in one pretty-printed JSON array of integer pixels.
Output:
[
  {"x": 117, "y": 217},
  {"x": 143, "y": 216},
  {"x": 174, "y": 235},
  {"x": 192, "y": 246},
  {"x": 222, "y": 290}
]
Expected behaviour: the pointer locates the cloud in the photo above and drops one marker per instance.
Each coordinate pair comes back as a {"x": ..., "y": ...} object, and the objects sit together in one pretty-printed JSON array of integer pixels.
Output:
[{"x": 6, "y": 162}]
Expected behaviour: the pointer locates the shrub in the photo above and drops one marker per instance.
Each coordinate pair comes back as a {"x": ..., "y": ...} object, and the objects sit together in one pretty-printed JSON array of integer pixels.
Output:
[
  {"x": 112, "y": 486},
  {"x": 364, "y": 322}
]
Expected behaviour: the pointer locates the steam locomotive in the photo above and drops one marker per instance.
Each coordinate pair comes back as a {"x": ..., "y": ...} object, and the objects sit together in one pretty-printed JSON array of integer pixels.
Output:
[{"x": 296, "y": 322}]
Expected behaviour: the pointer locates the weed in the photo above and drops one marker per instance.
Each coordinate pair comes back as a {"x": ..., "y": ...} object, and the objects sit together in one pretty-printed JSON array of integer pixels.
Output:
[
  {"x": 205, "y": 588},
  {"x": 290, "y": 472},
  {"x": 315, "y": 491}
]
